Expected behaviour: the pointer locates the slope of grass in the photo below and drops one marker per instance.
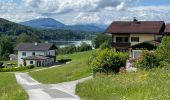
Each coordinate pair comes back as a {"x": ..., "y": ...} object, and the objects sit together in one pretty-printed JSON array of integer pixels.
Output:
[
  {"x": 142, "y": 85},
  {"x": 77, "y": 69},
  {"x": 9, "y": 89}
]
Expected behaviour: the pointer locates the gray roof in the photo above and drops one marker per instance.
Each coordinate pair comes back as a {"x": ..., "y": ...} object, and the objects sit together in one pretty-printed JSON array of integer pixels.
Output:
[
  {"x": 35, "y": 47},
  {"x": 36, "y": 58}
]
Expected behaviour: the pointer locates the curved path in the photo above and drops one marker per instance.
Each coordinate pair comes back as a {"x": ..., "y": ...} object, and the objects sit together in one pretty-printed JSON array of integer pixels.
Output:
[{"x": 38, "y": 91}]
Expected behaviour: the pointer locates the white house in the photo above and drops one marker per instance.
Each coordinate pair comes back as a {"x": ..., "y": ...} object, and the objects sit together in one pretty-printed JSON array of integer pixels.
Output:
[{"x": 37, "y": 54}]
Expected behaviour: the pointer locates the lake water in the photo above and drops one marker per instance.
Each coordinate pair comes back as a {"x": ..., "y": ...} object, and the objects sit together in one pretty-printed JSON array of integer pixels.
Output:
[{"x": 62, "y": 44}]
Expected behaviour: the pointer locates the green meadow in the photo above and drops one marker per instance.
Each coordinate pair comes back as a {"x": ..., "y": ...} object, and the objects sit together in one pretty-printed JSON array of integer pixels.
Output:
[
  {"x": 141, "y": 85},
  {"x": 9, "y": 89}
]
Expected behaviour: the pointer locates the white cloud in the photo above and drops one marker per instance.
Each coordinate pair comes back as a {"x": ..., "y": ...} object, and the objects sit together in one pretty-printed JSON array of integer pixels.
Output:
[
  {"x": 87, "y": 18},
  {"x": 82, "y": 11}
]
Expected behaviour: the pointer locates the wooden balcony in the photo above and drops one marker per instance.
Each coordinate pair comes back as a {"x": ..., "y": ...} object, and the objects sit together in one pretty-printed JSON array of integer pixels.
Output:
[{"x": 121, "y": 45}]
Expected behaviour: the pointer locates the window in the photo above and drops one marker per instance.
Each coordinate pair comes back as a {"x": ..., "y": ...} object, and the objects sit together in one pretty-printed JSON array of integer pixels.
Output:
[
  {"x": 33, "y": 53},
  {"x": 31, "y": 62},
  {"x": 23, "y": 53},
  {"x": 134, "y": 39},
  {"x": 122, "y": 39}
]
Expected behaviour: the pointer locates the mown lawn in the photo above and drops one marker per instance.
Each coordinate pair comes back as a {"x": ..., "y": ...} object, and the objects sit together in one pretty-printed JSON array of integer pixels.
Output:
[
  {"x": 78, "y": 68},
  {"x": 142, "y": 85},
  {"x": 9, "y": 89}
]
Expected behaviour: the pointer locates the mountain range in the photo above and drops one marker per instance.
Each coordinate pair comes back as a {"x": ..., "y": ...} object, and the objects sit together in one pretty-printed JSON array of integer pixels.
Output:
[
  {"x": 14, "y": 30},
  {"x": 49, "y": 23}
]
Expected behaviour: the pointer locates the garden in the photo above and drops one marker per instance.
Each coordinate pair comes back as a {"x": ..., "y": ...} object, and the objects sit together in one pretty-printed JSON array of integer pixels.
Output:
[{"x": 151, "y": 81}]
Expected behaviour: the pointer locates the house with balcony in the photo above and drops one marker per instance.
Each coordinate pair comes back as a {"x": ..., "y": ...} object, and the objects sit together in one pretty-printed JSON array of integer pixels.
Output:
[
  {"x": 37, "y": 54},
  {"x": 134, "y": 36}
]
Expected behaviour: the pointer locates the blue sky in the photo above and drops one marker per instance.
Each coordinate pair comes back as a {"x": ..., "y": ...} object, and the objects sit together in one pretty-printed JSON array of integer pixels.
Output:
[
  {"x": 154, "y": 2},
  {"x": 85, "y": 11}
]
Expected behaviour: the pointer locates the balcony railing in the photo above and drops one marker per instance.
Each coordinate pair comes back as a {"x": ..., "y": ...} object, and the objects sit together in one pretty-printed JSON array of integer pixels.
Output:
[{"x": 118, "y": 45}]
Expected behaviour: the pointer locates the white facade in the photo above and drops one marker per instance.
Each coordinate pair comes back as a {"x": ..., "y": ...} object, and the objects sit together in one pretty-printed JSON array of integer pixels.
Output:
[{"x": 23, "y": 54}]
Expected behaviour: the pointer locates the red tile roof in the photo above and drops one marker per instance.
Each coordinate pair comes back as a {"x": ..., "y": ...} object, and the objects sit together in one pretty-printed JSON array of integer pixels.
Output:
[
  {"x": 167, "y": 28},
  {"x": 142, "y": 27}
]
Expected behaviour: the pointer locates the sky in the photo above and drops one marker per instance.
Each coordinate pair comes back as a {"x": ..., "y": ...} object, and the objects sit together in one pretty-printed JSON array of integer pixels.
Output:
[{"x": 101, "y": 12}]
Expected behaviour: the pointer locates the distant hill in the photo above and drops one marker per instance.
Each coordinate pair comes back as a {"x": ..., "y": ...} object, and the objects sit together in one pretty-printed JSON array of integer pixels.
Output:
[
  {"x": 14, "y": 29},
  {"x": 49, "y": 23}
]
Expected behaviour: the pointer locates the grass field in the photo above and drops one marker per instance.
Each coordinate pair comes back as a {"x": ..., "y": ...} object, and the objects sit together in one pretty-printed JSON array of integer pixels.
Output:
[
  {"x": 9, "y": 89},
  {"x": 77, "y": 69},
  {"x": 142, "y": 85}
]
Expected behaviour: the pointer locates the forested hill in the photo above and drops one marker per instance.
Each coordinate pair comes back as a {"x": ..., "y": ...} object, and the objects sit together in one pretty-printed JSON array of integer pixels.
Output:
[{"x": 13, "y": 30}]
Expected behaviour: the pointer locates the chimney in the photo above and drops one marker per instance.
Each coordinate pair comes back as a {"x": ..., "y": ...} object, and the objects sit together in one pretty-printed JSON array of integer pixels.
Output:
[
  {"x": 135, "y": 20},
  {"x": 36, "y": 43}
]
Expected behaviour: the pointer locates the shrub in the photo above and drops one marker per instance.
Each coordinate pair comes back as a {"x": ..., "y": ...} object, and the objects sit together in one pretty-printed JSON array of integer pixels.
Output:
[
  {"x": 16, "y": 69},
  {"x": 84, "y": 47},
  {"x": 147, "y": 60},
  {"x": 163, "y": 50},
  {"x": 30, "y": 66},
  {"x": 72, "y": 48},
  {"x": 105, "y": 45},
  {"x": 1, "y": 64},
  {"x": 101, "y": 38},
  {"x": 107, "y": 61},
  {"x": 64, "y": 60},
  {"x": 68, "y": 49}
]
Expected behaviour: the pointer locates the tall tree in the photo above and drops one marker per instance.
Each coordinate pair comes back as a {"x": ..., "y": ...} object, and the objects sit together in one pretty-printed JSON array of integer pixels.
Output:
[
  {"x": 5, "y": 47},
  {"x": 99, "y": 39},
  {"x": 26, "y": 38}
]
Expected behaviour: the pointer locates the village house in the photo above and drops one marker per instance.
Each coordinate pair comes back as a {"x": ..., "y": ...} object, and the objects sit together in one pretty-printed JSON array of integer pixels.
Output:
[
  {"x": 37, "y": 54},
  {"x": 135, "y": 36}
]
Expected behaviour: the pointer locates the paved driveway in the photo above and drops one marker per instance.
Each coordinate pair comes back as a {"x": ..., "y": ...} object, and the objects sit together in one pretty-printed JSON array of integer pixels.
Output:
[{"x": 38, "y": 91}]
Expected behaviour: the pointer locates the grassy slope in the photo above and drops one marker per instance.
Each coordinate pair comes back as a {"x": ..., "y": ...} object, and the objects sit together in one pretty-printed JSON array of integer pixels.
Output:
[
  {"x": 77, "y": 69},
  {"x": 143, "y": 85},
  {"x": 9, "y": 89}
]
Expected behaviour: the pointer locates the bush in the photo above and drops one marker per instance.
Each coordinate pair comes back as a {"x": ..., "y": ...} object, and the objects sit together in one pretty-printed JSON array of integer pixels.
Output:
[
  {"x": 68, "y": 49},
  {"x": 16, "y": 69},
  {"x": 64, "y": 60},
  {"x": 107, "y": 61},
  {"x": 1, "y": 64},
  {"x": 147, "y": 60},
  {"x": 84, "y": 47},
  {"x": 72, "y": 48},
  {"x": 100, "y": 39},
  {"x": 105, "y": 45},
  {"x": 30, "y": 66},
  {"x": 163, "y": 50}
]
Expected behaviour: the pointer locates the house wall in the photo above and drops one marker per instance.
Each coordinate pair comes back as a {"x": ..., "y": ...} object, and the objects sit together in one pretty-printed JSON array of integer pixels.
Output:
[
  {"x": 28, "y": 53},
  {"x": 142, "y": 38},
  {"x": 28, "y": 62},
  {"x": 50, "y": 52}
]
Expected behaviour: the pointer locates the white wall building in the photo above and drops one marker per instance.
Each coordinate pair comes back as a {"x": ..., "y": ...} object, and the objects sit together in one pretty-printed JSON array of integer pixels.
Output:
[{"x": 37, "y": 54}]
